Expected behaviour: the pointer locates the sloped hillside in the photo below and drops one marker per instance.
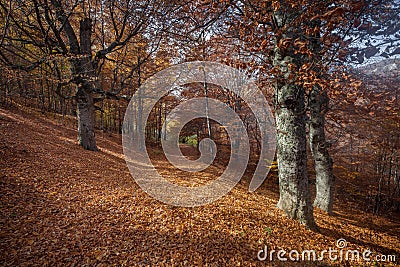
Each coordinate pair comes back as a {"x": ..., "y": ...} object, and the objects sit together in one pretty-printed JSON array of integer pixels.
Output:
[{"x": 64, "y": 206}]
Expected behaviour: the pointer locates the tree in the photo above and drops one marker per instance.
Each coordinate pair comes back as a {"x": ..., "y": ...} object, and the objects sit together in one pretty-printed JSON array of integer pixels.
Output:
[
  {"x": 319, "y": 105},
  {"x": 83, "y": 33},
  {"x": 278, "y": 28},
  {"x": 294, "y": 196},
  {"x": 366, "y": 27},
  {"x": 304, "y": 44}
]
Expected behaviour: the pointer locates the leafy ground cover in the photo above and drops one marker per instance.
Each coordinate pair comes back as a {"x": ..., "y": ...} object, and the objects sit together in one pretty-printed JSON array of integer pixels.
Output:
[{"x": 62, "y": 205}]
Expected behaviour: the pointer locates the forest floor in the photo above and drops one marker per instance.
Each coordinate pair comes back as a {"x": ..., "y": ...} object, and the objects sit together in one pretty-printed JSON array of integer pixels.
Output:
[{"x": 63, "y": 206}]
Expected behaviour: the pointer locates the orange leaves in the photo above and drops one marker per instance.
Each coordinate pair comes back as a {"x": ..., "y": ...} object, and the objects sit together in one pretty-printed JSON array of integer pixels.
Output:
[
  {"x": 263, "y": 45},
  {"x": 276, "y": 5},
  {"x": 62, "y": 205},
  {"x": 292, "y": 66},
  {"x": 313, "y": 31},
  {"x": 300, "y": 43},
  {"x": 302, "y": 47},
  {"x": 335, "y": 13},
  {"x": 356, "y": 84},
  {"x": 305, "y": 67},
  {"x": 284, "y": 43},
  {"x": 333, "y": 17},
  {"x": 299, "y": 46}
]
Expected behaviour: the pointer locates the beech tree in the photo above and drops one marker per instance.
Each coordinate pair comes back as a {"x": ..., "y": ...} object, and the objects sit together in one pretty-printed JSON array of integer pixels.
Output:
[
  {"x": 368, "y": 30},
  {"x": 81, "y": 32},
  {"x": 304, "y": 45}
]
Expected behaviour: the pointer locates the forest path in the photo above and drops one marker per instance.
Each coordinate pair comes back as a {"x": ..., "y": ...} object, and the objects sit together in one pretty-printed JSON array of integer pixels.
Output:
[{"x": 189, "y": 151}]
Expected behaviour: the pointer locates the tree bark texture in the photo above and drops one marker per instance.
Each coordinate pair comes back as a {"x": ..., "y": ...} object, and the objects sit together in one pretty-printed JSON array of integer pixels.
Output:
[
  {"x": 318, "y": 104},
  {"x": 85, "y": 76},
  {"x": 295, "y": 197}
]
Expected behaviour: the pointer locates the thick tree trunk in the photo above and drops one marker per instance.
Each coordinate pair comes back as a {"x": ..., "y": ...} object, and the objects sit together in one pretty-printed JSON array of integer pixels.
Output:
[
  {"x": 85, "y": 78},
  {"x": 295, "y": 197},
  {"x": 85, "y": 113},
  {"x": 318, "y": 104}
]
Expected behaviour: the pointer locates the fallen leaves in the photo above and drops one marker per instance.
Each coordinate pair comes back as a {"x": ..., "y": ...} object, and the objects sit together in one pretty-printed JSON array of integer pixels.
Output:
[{"x": 61, "y": 205}]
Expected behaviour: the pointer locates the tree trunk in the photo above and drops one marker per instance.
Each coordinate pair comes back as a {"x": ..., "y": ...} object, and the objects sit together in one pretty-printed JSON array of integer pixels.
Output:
[
  {"x": 86, "y": 77},
  {"x": 85, "y": 113},
  {"x": 318, "y": 104},
  {"x": 295, "y": 197}
]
